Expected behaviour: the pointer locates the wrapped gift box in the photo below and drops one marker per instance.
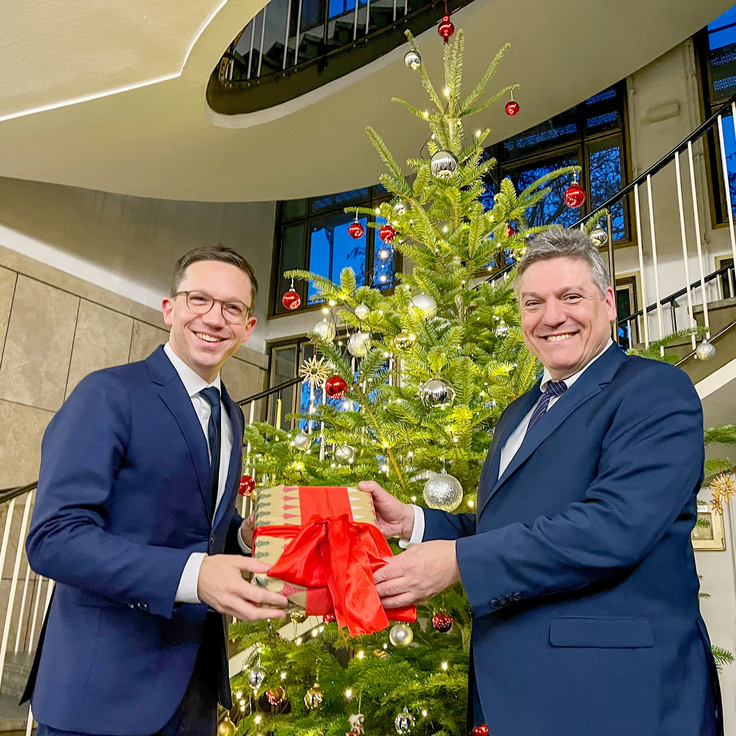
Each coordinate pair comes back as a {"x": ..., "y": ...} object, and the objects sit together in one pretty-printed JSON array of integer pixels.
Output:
[{"x": 324, "y": 545}]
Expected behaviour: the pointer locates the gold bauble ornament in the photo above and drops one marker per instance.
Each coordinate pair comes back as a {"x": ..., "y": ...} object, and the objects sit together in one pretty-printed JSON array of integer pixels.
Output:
[
  {"x": 226, "y": 727},
  {"x": 403, "y": 341},
  {"x": 380, "y": 653},
  {"x": 401, "y": 635},
  {"x": 313, "y": 697},
  {"x": 298, "y": 617}
]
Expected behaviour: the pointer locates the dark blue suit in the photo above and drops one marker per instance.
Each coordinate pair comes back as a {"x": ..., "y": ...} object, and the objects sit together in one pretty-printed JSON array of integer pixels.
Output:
[
  {"x": 579, "y": 568},
  {"x": 124, "y": 497}
]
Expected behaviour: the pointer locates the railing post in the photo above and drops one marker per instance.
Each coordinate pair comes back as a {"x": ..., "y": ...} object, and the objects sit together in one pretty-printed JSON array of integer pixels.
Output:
[
  {"x": 683, "y": 237},
  {"x": 654, "y": 262},
  {"x": 263, "y": 36},
  {"x": 698, "y": 239},
  {"x": 645, "y": 321}
]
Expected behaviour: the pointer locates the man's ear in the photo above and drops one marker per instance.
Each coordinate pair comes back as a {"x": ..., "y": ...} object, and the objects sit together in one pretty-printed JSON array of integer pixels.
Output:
[
  {"x": 250, "y": 325},
  {"x": 167, "y": 307}
]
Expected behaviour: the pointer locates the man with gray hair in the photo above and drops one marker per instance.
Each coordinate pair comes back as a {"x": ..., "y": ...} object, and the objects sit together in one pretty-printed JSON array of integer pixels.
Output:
[{"x": 577, "y": 564}]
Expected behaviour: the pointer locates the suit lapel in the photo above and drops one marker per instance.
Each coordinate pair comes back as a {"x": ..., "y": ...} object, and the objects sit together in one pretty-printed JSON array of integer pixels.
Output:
[
  {"x": 589, "y": 384},
  {"x": 174, "y": 395},
  {"x": 236, "y": 455}
]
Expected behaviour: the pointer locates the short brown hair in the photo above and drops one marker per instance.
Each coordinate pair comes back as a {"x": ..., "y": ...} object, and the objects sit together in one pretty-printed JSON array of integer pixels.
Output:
[{"x": 219, "y": 253}]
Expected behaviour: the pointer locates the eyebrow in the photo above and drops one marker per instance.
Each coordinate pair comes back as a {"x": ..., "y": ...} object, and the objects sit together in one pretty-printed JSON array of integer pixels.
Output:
[{"x": 558, "y": 292}]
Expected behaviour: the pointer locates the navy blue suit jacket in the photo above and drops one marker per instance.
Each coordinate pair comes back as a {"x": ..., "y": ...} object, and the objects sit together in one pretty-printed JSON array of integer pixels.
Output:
[
  {"x": 124, "y": 497},
  {"x": 579, "y": 567}
]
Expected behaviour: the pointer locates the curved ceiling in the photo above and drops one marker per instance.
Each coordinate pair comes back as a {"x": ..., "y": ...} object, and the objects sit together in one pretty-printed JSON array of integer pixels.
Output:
[{"x": 112, "y": 97}]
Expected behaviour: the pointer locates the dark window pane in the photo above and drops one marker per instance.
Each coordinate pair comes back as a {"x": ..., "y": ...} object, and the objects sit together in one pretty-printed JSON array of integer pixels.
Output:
[
  {"x": 722, "y": 55},
  {"x": 603, "y": 111},
  {"x": 341, "y": 199},
  {"x": 294, "y": 208},
  {"x": 560, "y": 129},
  {"x": 292, "y": 256},
  {"x": 606, "y": 178},
  {"x": 728, "y": 139}
]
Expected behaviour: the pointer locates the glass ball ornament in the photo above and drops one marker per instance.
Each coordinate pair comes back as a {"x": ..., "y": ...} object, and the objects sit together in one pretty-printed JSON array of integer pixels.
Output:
[
  {"x": 362, "y": 311},
  {"x": 512, "y": 108},
  {"x": 442, "y": 622},
  {"x": 298, "y": 617},
  {"x": 426, "y": 304},
  {"x": 329, "y": 618},
  {"x": 291, "y": 300},
  {"x": 226, "y": 727},
  {"x": 399, "y": 209},
  {"x": 356, "y": 230},
  {"x": 380, "y": 653},
  {"x": 443, "y": 164},
  {"x": 446, "y": 28},
  {"x": 276, "y": 696},
  {"x": 335, "y": 387},
  {"x": 247, "y": 485},
  {"x": 404, "y": 722},
  {"x": 256, "y": 676},
  {"x": 599, "y": 236},
  {"x": 412, "y": 59},
  {"x": 359, "y": 344},
  {"x": 313, "y": 697},
  {"x": 345, "y": 454},
  {"x": 401, "y": 635},
  {"x": 387, "y": 233},
  {"x": 705, "y": 351},
  {"x": 481, "y": 730},
  {"x": 574, "y": 195},
  {"x": 302, "y": 441},
  {"x": 325, "y": 330},
  {"x": 443, "y": 491},
  {"x": 435, "y": 393},
  {"x": 510, "y": 230},
  {"x": 403, "y": 341}
]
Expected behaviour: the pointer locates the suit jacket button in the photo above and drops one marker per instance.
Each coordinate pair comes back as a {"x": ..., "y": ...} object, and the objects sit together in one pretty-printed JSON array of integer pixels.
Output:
[
  {"x": 130, "y": 605},
  {"x": 517, "y": 596},
  {"x": 212, "y": 539},
  {"x": 494, "y": 603}
]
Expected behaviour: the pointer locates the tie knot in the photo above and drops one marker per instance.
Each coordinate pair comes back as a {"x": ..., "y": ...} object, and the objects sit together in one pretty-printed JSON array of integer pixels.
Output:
[
  {"x": 211, "y": 394},
  {"x": 556, "y": 388}
]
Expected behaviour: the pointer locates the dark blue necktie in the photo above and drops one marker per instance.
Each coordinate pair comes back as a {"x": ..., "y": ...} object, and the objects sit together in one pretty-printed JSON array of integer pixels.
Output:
[
  {"x": 212, "y": 396},
  {"x": 554, "y": 388}
]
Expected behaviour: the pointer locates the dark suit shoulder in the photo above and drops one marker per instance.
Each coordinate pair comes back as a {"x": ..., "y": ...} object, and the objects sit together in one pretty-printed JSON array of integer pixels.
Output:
[{"x": 655, "y": 373}]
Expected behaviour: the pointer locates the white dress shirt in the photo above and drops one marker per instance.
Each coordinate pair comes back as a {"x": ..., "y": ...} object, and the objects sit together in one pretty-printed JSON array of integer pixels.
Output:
[
  {"x": 512, "y": 444},
  {"x": 194, "y": 383}
]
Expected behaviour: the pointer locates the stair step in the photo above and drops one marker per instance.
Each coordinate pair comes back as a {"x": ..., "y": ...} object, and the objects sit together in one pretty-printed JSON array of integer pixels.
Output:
[{"x": 15, "y": 674}]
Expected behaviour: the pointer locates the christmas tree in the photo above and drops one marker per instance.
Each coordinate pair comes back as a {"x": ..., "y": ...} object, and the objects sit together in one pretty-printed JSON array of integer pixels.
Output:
[{"x": 409, "y": 400}]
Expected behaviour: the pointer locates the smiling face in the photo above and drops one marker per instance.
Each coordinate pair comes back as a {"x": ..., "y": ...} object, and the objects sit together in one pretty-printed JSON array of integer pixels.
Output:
[
  {"x": 205, "y": 341},
  {"x": 565, "y": 321}
]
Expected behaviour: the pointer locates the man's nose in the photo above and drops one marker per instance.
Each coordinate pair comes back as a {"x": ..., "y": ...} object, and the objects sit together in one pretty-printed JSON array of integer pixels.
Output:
[
  {"x": 554, "y": 313},
  {"x": 215, "y": 317}
]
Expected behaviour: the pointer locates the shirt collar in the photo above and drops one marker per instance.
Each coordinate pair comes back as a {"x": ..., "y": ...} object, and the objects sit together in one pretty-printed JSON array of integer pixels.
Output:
[
  {"x": 546, "y": 376},
  {"x": 193, "y": 382}
]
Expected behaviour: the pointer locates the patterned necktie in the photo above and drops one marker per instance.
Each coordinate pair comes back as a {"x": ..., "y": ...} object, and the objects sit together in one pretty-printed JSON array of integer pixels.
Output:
[
  {"x": 212, "y": 396},
  {"x": 554, "y": 388}
]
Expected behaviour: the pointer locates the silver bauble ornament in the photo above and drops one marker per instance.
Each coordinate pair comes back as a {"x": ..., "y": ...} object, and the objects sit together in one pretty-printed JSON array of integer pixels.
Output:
[
  {"x": 325, "y": 330},
  {"x": 426, "y": 304},
  {"x": 313, "y": 697},
  {"x": 435, "y": 393},
  {"x": 403, "y": 341},
  {"x": 457, "y": 261},
  {"x": 256, "y": 676},
  {"x": 412, "y": 59},
  {"x": 705, "y": 351},
  {"x": 443, "y": 164},
  {"x": 362, "y": 311},
  {"x": 599, "y": 236},
  {"x": 359, "y": 344},
  {"x": 401, "y": 635},
  {"x": 404, "y": 722},
  {"x": 345, "y": 454},
  {"x": 399, "y": 209},
  {"x": 302, "y": 441},
  {"x": 443, "y": 491}
]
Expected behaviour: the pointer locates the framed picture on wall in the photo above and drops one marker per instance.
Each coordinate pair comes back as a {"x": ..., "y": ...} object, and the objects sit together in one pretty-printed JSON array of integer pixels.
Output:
[{"x": 708, "y": 533}]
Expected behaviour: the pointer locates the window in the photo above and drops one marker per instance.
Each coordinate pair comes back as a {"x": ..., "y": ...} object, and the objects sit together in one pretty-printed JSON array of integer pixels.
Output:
[
  {"x": 313, "y": 235},
  {"x": 590, "y": 135}
]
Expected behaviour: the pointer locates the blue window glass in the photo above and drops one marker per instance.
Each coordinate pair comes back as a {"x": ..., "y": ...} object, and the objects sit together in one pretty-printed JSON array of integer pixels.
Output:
[
  {"x": 722, "y": 55},
  {"x": 341, "y": 199},
  {"x": 728, "y": 138},
  {"x": 384, "y": 268},
  {"x": 606, "y": 178}
]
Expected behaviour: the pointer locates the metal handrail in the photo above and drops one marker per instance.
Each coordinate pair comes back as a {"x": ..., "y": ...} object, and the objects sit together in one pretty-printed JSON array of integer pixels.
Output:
[{"x": 270, "y": 391}]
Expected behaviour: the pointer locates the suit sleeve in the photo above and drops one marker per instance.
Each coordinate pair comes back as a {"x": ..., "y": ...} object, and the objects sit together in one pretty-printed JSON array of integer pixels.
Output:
[
  {"x": 83, "y": 449},
  {"x": 650, "y": 467}
]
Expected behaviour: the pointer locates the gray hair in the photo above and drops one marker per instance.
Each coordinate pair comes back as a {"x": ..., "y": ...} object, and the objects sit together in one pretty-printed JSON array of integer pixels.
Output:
[{"x": 562, "y": 242}]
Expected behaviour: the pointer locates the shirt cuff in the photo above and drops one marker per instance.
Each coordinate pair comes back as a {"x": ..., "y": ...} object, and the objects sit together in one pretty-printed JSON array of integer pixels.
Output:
[
  {"x": 187, "y": 590},
  {"x": 417, "y": 533},
  {"x": 244, "y": 548}
]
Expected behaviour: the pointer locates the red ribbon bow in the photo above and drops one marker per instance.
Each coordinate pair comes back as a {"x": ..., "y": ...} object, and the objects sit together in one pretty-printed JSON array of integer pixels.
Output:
[{"x": 340, "y": 555}]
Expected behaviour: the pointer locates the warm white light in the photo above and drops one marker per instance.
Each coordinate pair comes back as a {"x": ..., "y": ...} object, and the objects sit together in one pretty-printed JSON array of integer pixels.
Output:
[
  {"x": 384, "y": 468},
  {"x": 332, "y": 302},
  {"x": 378, "y": 210},
  {"x": 447, "y": 92},
  {"x": 382, "y": 278},
  {"x": 239, "y": 694},
  {"x": 360, "y": 654},
  {"x": 471, "y": 504},
  {"x": 348, "y": 692},
  {"x": 383, "y": 254},
  {"x": 445, "y": 229},
  {"x": 283, "y": 675},
  {"x": 413, "y": 499},
  {"x": 426, "y": 116},
  {"x": 315, "y": 632},
  {"x": 258, "y": 718},
  {"x": 325, "y": 310},
  {"x": 385, "y": 646},
  {"x": 424, "y": 713},
  {"x": 444, "y": 666},
  {"x": 477, "y": 134},
  {"x": 321, "y": 628},
  {"x": 299, "y": 640},
  {"x": 242, "y": 707}
]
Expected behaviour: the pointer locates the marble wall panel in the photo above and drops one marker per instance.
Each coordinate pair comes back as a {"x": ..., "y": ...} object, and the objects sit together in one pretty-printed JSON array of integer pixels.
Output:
[
  {"x": 102, "y": 339},
  {"x": 7, "y": 287},
  {"x": 38, "y": 345},
  {"x": 243, "y": 379},
  {"x": 145, "y": 339},
  {"x": 21, "y": 431}
]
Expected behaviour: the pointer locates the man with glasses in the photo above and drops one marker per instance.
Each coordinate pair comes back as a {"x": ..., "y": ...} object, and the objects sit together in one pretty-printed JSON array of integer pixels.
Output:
[{"x": 135, "y": 521}]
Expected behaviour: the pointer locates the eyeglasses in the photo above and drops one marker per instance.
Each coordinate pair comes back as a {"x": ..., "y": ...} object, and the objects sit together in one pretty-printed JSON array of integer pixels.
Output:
[{"x": 201, "y": 303}]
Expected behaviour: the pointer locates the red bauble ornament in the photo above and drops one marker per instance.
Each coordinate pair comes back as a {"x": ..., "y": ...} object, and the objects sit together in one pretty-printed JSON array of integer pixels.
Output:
[
  {"x": 247, "y": 484},
  {"x": 335, "y": 387},
  {"x": 291, "y": 300},
  {"x": 510, "y": 230},
  {"x": 512, "y": 108},
  {"x": 276, "y": 696},
  {"x": 574, "y": 195},
  {"x": 442, "y": 622},
  {"x": 329, "y": 618},
  {"x": 356, "y": 230},
  {"x": 481, "y": 730},
  {"x": 387, "y": 233},
  {"x": 446, "y": 29}
]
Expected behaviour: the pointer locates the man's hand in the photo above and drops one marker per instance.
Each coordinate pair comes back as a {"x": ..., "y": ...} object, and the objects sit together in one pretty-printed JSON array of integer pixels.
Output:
[
  {"x": 417, "y": 574},
  {"x": 247, "y": 528},
  {"x": 394, "y": 519},
  {"x": 221, "y": 586}
]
